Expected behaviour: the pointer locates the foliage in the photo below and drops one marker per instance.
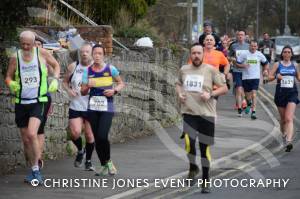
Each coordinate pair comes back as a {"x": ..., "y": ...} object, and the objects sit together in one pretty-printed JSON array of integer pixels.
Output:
[
  {"x": 13, "y": 13},
  {"x": 106, "y": 11},
  {"x": 140, "y": 29},
  {"x": 227, "y": 16}
]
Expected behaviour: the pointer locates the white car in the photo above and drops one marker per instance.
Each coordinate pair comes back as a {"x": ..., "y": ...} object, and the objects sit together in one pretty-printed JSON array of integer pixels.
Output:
[{"x": 293, "y": 41}]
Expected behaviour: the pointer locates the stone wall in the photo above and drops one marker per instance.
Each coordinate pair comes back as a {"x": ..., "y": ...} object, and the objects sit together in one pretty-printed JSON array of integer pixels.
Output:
[{"x": 149, "y": 95}]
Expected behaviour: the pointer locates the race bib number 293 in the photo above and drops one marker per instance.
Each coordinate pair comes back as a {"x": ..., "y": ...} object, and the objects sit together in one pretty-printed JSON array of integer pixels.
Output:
[{"x": 30, "y": 80}]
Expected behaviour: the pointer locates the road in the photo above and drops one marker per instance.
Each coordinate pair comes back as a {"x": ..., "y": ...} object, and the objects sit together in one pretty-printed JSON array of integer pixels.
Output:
[{"x": 288, "y": 169}]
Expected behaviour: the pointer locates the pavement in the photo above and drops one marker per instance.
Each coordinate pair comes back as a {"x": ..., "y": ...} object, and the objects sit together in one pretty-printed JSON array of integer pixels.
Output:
[{"x": 239, "y": 142}]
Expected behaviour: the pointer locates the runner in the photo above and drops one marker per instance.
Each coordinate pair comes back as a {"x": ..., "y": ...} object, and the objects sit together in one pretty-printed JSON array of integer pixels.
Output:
[
  {"x": 286, "y": 94},
  {"x": 234, "y": 51},
  {"x": 214, "y": 57},
  {"x": 266, "y": 46},
  {"x": 78, "y": 108},
  {"x": 208, "y": 30},
  {"x": 27, "y": 79},
  {"x": 198, "y": 107},
  {"x": 98, "y": 80},
  {"x": 250, "y": 61}
]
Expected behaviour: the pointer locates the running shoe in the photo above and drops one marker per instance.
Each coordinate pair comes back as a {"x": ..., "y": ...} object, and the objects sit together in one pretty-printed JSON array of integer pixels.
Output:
[
  {"x": 29, "y": 178},
  {"x": 103, "y": 171},
  {"x": 205, "y": 189},
  {"x": 89, "y": 166},
  {"x": 253, "y": 116},
  {"x": 289, "y": 147},
  {"x": 111, "y": 168},
  {"x": 38, "y": 176},
  {"x": 240, "y": 113},
  {"x": 247, "y": 110},
  {"x": 79, "y": 159},
  {"x": 34, "y": 175}
]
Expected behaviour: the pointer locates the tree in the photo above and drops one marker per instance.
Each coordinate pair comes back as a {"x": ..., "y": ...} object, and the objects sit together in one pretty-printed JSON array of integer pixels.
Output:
[
  {"x": 106, "y": 11},
  {"x": 13, "y": 13}
]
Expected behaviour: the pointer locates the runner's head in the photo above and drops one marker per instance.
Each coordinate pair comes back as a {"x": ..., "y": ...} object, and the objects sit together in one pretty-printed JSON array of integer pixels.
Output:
[
  {"x": 98, "y": 53},
  {"x": 287, "y": 53},
  {"x": 38, "y": 42},
  {"x": 207, "y": 27},
  {"x": 209, "y": 42},
  {"x": 86, "y": 54},
  {"x": 253, "y": 46},
  {"x": 241, "y": 36},
  {"x": 266, "y": 36},
  {"x": 27, "y": 39},
  {"x": 196, "y": 54}
]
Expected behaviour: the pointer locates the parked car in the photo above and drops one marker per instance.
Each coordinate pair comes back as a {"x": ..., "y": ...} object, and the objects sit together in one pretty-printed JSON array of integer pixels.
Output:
[{"x": 293, "y": 41}]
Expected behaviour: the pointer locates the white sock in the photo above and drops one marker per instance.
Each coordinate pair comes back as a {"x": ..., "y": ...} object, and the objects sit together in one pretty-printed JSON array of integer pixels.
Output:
[{"x": 35, "y": 168}]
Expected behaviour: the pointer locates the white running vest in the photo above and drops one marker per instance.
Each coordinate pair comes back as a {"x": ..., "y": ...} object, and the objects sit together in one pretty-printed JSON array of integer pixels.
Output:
[
  {"x": 30, "y": 78},
  {"x": 78, "y": 103}
]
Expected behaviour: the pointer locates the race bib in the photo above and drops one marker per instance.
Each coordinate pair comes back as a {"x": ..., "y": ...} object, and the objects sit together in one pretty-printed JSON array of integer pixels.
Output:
[
  {"x": 30, "y": 79},
  {"x": 266, "y": 51},
  {"x": 287, "y": 82},
  {"x": 98, "y": 103},
  {"x": 251, "y": 61},
  {"x": 239, "y": 52},
  {"x": 194, "y": 83}
]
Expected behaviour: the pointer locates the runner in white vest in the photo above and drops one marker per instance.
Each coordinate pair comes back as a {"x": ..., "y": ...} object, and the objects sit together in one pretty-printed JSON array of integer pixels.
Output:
[
  {"x": 27, "y": 79},
  {"x": 78, "y": 108}
]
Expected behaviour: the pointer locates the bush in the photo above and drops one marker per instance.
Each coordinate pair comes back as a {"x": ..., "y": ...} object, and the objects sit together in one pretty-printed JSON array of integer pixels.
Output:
[{"x": 140, "y": 29}]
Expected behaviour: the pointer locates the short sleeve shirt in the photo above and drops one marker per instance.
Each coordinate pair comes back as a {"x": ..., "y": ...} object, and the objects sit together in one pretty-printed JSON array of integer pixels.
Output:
[
  {"x": 255, "y": 60},
  {"x": 215, "y": 58},
  {"x": 194, "y": 80}
]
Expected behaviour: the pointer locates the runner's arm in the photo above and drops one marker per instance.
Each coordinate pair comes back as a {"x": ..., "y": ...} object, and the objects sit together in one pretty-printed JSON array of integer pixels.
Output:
[
  {"x": 266, "y": 68},
  {"x": 272, "y": 74},
  {"x": 66, "y": 80},
  {"x": 241, "y": 65},
  {"x": 221, "y": 90},
  {"x": 220, "y": 82},
  {"x": 120, "y": 84},
  {"x": 11, "y": 70},
  {"x": 51, "y": 61},
  {"x": 298, "y": 71},
  {"x": 85, "y": 83}
]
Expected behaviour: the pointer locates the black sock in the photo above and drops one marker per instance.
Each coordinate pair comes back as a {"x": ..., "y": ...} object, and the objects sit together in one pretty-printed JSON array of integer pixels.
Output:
[
  {"x": 89, "y": 147},
  {"x": 205, "y": 173},
  {"x": 249, "y": 103},
  {"x": 193, "y": 167},
  {"x": 78, "y": 143}
]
